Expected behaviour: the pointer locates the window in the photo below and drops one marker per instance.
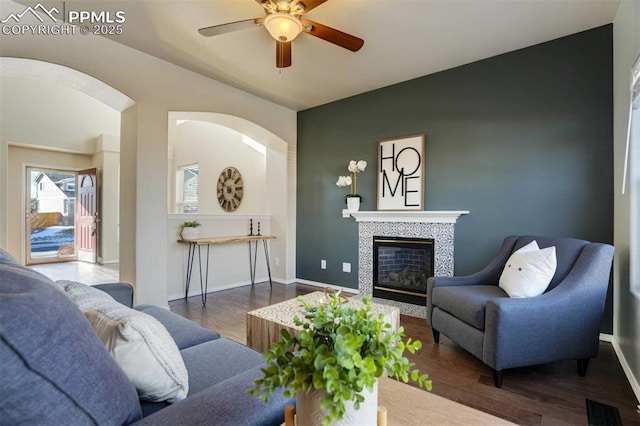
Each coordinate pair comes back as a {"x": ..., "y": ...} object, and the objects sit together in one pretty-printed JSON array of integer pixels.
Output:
[{"x": 187, "y": 189}]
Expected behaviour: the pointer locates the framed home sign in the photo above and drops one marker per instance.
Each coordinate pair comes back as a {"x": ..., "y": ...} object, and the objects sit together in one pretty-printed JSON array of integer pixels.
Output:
[{"x": 401, "y": 173}]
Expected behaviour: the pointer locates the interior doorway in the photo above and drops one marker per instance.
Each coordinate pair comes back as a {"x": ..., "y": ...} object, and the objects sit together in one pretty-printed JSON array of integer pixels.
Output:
[{"x": 62, "y": 215}]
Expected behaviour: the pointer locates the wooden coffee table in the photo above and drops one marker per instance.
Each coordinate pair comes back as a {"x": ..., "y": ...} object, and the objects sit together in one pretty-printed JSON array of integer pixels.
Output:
[{"x": 264, "y": 324}]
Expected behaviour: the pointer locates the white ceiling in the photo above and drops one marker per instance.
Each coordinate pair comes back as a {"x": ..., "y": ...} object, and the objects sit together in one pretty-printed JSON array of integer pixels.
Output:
[{"x": 404, "y": 39}]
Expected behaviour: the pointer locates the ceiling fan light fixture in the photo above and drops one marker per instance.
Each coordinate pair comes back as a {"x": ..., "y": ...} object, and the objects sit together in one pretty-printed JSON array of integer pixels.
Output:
[{"x": 282, "y": 26}]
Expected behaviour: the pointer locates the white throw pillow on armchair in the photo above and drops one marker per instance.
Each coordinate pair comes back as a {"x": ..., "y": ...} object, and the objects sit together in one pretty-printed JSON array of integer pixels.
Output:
[{"x": 529, "y": 271}]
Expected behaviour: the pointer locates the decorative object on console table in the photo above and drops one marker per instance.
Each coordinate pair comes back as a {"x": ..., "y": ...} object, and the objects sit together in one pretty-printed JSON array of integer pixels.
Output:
[
  {"x": 336, "y": 361},
  {"x": 401, "y": 173},
  {"x": 190, "y": 230},
  {"x": 353, "y": 198}
]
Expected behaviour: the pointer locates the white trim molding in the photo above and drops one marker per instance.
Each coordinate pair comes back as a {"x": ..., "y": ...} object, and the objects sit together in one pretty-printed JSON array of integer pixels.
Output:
[
  {"x": 635, "y": 386},
  {"x": 323, "y": 285},
  {"x": 406, "y": 216}
]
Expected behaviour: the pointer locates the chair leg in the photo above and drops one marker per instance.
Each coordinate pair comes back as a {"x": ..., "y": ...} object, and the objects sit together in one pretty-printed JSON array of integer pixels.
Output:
[
  {"x": 436, "y": 335},
  {"x": 497, "y": 378},
  {"x": 583, "y": 364}
]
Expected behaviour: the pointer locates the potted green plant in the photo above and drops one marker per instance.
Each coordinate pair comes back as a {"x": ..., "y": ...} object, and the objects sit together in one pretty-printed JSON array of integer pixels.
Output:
[
  {"x": 340, "y": 351},
  {"x": 189, "y": 229}
]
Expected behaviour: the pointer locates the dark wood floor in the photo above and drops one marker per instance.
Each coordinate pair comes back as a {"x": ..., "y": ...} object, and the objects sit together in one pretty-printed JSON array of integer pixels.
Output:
[{"x": 552, "y": 394}]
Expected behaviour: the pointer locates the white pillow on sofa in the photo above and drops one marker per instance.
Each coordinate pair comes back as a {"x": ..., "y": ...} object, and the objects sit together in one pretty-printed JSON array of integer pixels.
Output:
[
  {"x": 529, "y": 271},
  {"x": 138, "y": 342},
  {"x": 144, "y": 349}
]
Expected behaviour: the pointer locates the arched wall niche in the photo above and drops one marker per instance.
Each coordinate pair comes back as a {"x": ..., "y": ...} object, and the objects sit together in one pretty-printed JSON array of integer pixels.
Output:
[{"x": 214, "y": 140}]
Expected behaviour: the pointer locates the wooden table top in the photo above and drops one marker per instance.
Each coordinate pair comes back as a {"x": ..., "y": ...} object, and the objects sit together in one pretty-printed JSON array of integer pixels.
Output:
[
  {"x": 265, "y": 324},
  {"x": 409, "y": 406},
  {"x": 226, "y": 240},
  {"x": 282, "y": 313}
]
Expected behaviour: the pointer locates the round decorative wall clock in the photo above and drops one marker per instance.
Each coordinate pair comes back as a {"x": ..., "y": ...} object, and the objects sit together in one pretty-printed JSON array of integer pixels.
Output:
[{"x": 230, "y": 189}]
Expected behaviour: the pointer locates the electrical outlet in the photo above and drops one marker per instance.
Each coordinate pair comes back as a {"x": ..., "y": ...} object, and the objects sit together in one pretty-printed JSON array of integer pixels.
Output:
[
  {"x": 323, "y": 264},
  {"x": 277, "y": 261},
  {"x": 346, "y": 267}
]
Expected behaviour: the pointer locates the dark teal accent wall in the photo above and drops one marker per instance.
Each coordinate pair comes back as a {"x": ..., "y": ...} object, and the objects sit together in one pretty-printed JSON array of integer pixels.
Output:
[{"x": 524, "y": 141}]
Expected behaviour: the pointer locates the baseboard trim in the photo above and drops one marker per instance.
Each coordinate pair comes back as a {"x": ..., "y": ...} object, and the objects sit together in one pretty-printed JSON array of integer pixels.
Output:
[
  {"x": 635, "y": 386},
  {"x": 197, "y": 292},
  {"x": 323, "y": 285},
  {"x": 606, "y": 337}
]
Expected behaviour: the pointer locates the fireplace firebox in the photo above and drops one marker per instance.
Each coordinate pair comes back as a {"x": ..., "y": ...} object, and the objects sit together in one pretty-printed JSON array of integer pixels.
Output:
[{"x": 401, "y": 267}]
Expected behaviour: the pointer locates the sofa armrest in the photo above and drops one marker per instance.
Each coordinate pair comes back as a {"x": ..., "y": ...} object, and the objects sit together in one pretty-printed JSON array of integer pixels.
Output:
[
  {"x": 121, "y": 292},
  {"x": 225, "y": 403}
]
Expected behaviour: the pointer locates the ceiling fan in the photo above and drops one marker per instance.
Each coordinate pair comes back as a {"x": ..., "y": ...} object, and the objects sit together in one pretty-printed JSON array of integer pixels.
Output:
[{"x": 284, "y": 22}]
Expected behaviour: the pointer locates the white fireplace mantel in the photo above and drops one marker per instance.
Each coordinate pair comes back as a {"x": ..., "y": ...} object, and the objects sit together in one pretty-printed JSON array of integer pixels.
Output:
[{"x": 411, "y": 216}]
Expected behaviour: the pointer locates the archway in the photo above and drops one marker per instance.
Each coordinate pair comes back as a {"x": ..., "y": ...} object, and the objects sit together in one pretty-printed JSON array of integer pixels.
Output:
[
  {"x": 38, "y": 134},
  {"x": 271, "y": 208}
]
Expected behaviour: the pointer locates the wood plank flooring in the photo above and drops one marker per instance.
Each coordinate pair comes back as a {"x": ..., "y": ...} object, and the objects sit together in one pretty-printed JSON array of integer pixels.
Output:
[{"x": 545, "y": 395}]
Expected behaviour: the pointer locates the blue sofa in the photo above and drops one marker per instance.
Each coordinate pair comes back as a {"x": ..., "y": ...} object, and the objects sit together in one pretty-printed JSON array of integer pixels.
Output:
[{"x": 55, "y": 370}]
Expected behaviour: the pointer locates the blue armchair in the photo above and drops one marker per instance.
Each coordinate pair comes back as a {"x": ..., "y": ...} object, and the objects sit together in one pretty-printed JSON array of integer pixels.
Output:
[{"x": 561, "y": 324}]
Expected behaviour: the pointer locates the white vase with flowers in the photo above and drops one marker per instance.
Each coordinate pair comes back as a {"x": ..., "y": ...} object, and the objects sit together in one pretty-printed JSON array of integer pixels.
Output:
[{"x": 353, "y": 198}]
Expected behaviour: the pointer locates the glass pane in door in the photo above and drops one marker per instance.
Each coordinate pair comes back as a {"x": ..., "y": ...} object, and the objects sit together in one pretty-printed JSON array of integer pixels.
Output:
[{"x": 51, "y": 215}]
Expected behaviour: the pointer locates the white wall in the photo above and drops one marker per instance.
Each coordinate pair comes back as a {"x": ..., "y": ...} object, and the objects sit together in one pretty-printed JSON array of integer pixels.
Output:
[
  {"x": 213, "y": 148},
  {"x": 626, "y": 321},
  {"x": 44, "y": 113},
  {"x": 107, "y": 160},
  {"x": 157, "y": 87}
]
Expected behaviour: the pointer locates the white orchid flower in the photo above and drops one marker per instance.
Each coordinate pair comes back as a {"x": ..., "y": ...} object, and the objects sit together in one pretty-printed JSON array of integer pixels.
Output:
[
  {"x": 353, "y": 166},
  {"x": 343, "y": 181},
  {"x": 362, "y": 165}
]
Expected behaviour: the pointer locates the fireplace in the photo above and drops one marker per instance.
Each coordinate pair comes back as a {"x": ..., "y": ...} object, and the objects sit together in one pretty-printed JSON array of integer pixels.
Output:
[
  {"x": 401, "y": 267},
  {"x": 437, "y": 225}
]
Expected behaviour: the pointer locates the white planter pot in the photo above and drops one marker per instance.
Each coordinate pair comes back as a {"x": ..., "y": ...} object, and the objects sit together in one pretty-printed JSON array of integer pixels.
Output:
[
  {"x": 190, "y": 233},
  {"x": 308, "y": 411},
  {"x": 353, "y": 204}
]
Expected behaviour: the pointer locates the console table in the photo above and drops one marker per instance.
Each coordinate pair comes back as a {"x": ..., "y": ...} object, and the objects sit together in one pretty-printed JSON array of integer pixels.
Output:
[{"x": 196, "y": 243}]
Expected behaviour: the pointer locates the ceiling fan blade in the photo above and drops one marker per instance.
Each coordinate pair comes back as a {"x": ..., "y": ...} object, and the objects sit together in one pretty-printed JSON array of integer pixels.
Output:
[
  {"x": 307, "y": 4},
  {"x": 283, "y": 54},
  {"x": 332, "y": 35},
  {"x": 230, "y": 27}
]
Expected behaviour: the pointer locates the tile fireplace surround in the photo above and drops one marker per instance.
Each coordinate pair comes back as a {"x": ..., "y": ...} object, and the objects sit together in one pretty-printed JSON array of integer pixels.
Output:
[{"x": 438, "y": 225}]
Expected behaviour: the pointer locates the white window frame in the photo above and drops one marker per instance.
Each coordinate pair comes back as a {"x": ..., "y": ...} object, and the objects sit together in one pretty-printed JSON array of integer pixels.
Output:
[
  {"x": 631, "y": 174},
  {"x": 180, "y": 203}
]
